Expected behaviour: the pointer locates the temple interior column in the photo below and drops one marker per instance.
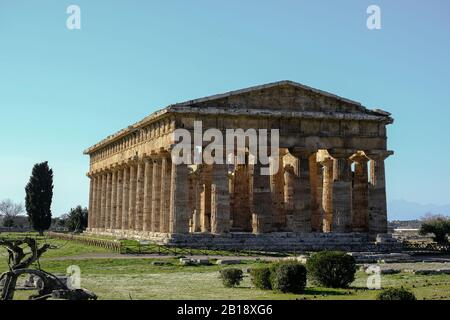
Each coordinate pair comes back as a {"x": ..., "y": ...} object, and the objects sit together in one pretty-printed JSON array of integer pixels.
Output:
[
  {"x": 242, "y": 218},
  {"x": 166, "y": 169},
  {"x": 220, "y": 200},
  {"x": 194, "y": 221},
  {"x": 156, "y": 195},
  {"x": 302, "y": 192},
  {"x": 316, "y": 194},
  {"x": 360, "y": 196},
  {"x": 125, "y": 197},
  {"x": 342, "y": 191},
  {"x": 112, "y": 222},
  {"x": 132, "y": 197},
  {"x": 119, "y": 197},
  {"x": 277, "y": 189},
  {"x": 148, "y": 195},
  {"x": 261, "y": 209},
  {"x": 179, "y": 199},
  {"x": 138, "y": 224},
  {"x": 205, "y": 198},
  {"x": 289, "y": 178},
  {"x": 377, "y": 192}
]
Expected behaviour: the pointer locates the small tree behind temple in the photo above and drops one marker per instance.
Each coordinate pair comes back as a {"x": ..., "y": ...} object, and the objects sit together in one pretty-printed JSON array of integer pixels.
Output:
[
  {"x": 77, "y": 219},
  {"x": 438, "y": 225},
  {"x": 38, "y": 199}
]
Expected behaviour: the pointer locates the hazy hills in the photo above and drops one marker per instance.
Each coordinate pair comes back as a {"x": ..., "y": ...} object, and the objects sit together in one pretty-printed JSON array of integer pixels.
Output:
[{"x": 408, "y": 210}]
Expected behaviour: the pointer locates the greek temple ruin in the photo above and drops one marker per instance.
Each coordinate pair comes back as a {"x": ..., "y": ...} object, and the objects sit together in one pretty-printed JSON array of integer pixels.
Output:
[{"x": 329, "y": 190}]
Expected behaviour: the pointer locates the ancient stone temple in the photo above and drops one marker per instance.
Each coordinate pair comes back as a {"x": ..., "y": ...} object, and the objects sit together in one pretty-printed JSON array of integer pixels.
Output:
[{"x": 329, "y": 190}]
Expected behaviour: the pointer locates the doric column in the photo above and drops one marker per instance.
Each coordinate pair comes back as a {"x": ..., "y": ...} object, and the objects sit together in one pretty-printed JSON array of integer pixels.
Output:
[
  {"x": 289, "y": 182},
  {"x": 119, "y": 199},
  {"x": 205, "y": 198},
  {"x": 316, "y": 194},
  {"x": 377, "y": 192},
  {"x": 360, "y": 193},
  {"x": 148, "y": 195},
  {"x": 112, "y": 222},
  {"x": 277, "y": 188},
  {"x": 125, "y": 197},
  {"x": 103, "y": 202},
  {"x": 196, "y": 191},
  {"x": 262, "y": 209},
  {"x": 156, "y": 195},
  {"x": 91, "y": 201},
  {"x": 132, "y": 197},
  {"x": 342, "y": 190},
  {"x": 327, "y": 194},
  {"x": 138, "y": 223},
  {"x": 302, "y": 191},
  {"x": 164, "y": 217},
  {"x": 242, "y": 219},
  {"x": 108, "y": 201},
  {"x": 220, "y": 200},
  {"x": 179, "y": 199},
  {"x": 98, "y": 201}
]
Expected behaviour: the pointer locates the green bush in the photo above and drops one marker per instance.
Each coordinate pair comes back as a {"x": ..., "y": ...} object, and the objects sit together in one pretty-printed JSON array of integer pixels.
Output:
[
  {"x": 261, "y": 278},
  {"x": 231, "y": 277},
  {"x": 396, "y": 294},
  {"x": 288, "y": 277},
  {"x": 333, "y": 269},
  {"x": 437, "y": 225}
]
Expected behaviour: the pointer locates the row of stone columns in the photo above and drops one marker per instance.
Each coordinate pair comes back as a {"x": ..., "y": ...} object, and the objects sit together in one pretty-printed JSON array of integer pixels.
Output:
[
  {"x": 142, "y": 195},
  {"x": 311, "y": 195}
]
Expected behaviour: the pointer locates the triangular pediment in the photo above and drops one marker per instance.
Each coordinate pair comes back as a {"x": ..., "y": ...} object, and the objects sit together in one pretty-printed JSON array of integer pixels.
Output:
[{"x": 279, "y": 96}]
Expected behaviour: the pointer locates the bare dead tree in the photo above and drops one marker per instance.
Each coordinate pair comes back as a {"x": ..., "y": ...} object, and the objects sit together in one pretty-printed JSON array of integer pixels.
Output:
[{"x": 52, "y": 286}]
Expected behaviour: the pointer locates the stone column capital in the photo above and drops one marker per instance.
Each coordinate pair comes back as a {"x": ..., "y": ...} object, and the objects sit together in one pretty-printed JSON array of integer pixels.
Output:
[
  {"x": 379, "y": 155},
  {"x": 339, "y": 153},
  {"x": 302, "y": 152},
  {"x": 359, "y": 157}
]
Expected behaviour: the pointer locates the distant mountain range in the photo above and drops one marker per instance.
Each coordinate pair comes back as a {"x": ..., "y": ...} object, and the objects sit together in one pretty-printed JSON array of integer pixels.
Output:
[{"x": 407, "y": 210}]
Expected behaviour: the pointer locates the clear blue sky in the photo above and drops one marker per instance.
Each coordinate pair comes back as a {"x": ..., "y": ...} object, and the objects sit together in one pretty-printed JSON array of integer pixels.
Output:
[{"x": 61, "y": 90}]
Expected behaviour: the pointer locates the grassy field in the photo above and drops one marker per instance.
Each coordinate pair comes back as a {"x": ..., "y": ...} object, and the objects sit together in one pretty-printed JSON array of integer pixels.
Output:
[{"x": 138, "y": 278}]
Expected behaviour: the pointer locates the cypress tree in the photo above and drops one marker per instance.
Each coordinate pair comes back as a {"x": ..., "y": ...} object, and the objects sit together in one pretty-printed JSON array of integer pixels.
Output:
[{"x": 38, "y": 199}]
